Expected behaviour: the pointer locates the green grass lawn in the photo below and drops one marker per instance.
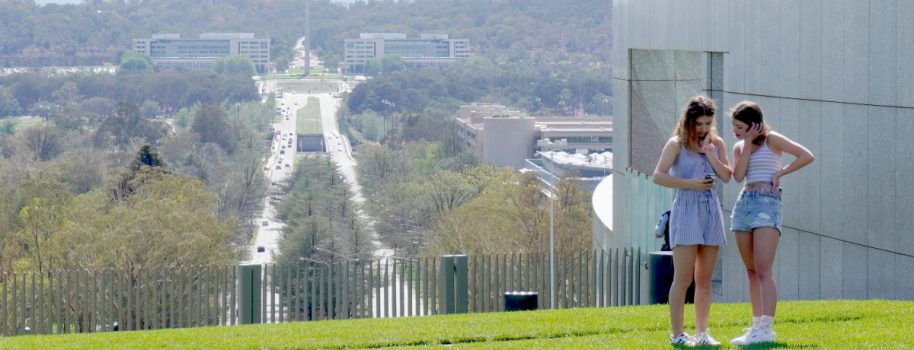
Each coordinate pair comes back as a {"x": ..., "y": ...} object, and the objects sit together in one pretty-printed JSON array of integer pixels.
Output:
[
  {"x": 295, "y": 73},
  {"x": 806, "y": 325},
  {"x": 309, "y": 118}
]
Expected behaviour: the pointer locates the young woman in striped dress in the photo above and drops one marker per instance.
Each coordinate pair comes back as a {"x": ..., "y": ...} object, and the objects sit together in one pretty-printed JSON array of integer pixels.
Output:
[
  {"x": 690, "y": 162},
  {"x": 756, "y": 217}
]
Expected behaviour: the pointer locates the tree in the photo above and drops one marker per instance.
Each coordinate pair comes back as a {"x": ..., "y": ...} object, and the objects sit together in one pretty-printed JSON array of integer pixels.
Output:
[
  {"x": 235, "y": 64},
  {"x": 212, "y": 125},
  {"x": 319, "y": 213},
  {"x": 146, "y": 157},
  {"x": 132, "y": 61},
  {"x": 81, "y": 170},
  {"x": 146, "y": 167},
  {"x": 377, "y": 163},
  {"x": 67, "y": 94},
  {"x": 383, "y": 64},
  {"x": 98, "y": 107},
  {"x": 43, "y": 142},
  {"x": 9, "y": 106},
  {"x": 244, "y": 187},
  {"x": 41, "y": 217},
  {"x": 168, "y": 222},
  {"x": 150, "y": 109},
  {"x": 125, "y": 124},
  {"x": 7, "y": 128}
]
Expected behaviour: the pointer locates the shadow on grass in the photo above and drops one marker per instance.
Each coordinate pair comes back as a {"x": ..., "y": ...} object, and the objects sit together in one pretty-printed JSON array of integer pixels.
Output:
[
  {"x": 778, "y": 345},
  {"x": 568, "y": 334}
]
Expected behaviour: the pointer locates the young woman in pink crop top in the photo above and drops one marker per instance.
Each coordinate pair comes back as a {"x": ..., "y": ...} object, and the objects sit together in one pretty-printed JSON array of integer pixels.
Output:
[{"x": 756, "y": 217}]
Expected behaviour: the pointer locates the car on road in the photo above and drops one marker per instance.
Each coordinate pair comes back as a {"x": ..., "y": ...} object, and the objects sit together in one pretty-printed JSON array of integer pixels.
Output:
[
  {"x": 278, "y": 167},
  {"x": 287, "y": 165},
  {"x": 265, "y": 223},
  {"x": 261, "y": 249}
]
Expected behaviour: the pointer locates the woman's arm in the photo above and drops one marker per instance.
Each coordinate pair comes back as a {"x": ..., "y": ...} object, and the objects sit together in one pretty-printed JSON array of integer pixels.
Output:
[
  {"x": 744, "y": 147},
  {"x": 662, "y": 175},
  {"x": 782, "y": 143},
  {"x": 719, "y": 161},
  {"x": 741, "y": 164}
]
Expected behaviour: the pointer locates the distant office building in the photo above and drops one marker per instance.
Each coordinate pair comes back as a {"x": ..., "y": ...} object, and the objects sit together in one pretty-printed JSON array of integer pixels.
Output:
[
  {"x": 506, "y": 138},
  {"x": 426, "y": 50},
  {"x": 169, "y": 51}
]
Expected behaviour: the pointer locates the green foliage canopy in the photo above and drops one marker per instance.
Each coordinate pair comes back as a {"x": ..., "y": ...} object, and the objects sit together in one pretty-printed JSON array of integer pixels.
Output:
[
  {"x": 235, "y": 64},
  {"x": 132, "y": 61}
]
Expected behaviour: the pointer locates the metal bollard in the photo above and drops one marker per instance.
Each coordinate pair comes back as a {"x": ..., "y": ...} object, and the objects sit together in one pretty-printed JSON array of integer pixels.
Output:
[
  {"x": 249, "y": 296},
  {"x": 453, "y": 284}
]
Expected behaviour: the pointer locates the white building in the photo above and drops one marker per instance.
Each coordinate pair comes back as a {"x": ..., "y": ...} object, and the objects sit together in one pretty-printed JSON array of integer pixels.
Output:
[
  {"x": 496, "y": 132},
  {"x": 426, "y": 50},
  {"x": 170, "y": 51}
]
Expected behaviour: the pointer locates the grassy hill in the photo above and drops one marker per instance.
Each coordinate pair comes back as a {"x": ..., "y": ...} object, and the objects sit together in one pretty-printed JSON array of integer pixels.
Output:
[{"x": 809, "y": 325}]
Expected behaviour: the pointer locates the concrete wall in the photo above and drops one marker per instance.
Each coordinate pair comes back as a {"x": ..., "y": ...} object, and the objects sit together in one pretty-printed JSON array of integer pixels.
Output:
[{"x": 835, "y": 76}]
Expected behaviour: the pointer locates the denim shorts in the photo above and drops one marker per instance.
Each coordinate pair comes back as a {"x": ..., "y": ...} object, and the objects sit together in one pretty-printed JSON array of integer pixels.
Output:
[{"x": 757, "y": 208}]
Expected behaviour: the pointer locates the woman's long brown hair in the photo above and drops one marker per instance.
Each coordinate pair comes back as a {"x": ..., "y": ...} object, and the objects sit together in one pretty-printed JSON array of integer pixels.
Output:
[{"x": 697, "y": 107}]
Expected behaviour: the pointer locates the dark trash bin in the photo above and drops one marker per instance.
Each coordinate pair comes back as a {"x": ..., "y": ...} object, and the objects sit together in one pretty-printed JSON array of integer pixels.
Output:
[
  {"x": 520, "y": 301},
  {"x": 661, "y": 278}
]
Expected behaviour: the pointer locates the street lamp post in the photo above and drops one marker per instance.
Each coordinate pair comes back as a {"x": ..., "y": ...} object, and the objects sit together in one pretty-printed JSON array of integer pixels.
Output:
[{"x": 549, "y": 194}]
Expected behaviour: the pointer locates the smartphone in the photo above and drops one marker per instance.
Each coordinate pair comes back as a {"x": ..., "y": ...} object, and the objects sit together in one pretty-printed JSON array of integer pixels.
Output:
[{"x": 712, "y": 177}]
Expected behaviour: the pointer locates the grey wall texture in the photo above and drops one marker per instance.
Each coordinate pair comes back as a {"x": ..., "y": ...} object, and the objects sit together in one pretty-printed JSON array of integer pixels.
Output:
[{"x": 834, "y": 75}]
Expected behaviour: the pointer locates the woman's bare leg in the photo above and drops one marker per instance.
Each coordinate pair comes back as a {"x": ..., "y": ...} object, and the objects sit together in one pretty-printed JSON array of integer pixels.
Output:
[
  {"x": 683, "y": 266},
  {"x": 704, "y": 270}
]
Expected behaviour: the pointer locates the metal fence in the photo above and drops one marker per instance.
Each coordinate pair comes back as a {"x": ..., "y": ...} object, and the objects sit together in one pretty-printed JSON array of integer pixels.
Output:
[{"x": 83, "y": 301}]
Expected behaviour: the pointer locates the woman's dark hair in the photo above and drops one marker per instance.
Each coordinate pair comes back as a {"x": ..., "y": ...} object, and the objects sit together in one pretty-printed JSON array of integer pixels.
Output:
[{"x": 749, "y": 113}]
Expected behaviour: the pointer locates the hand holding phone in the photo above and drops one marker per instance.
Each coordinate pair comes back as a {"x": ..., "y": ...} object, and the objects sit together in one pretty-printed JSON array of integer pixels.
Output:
[{"x": 711, "y": 177}]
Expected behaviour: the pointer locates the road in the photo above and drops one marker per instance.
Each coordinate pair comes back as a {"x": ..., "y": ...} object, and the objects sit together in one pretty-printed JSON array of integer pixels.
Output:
[{"x": 278, "y": 168}]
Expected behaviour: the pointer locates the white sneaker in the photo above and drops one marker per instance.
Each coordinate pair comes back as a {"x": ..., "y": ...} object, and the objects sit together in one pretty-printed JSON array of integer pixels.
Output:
[
  {"x": 741, "y": 340},
  {"x": 704, "y": 338},
  {"x": 754, "y": 336},
  {"x": 683, "y": 339}
]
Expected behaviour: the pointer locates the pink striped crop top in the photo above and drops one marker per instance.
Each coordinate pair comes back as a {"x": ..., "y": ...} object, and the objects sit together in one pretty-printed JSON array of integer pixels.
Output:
[{"x": 763, "y": 164}]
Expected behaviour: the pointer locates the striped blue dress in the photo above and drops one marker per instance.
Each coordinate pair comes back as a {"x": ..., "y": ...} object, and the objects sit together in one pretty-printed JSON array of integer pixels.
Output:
[{"x": 696, "y": 215}]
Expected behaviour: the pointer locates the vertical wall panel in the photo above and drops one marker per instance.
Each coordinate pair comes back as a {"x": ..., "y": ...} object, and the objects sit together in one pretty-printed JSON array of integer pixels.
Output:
[
  {"x": 904, "y": 72},
  {"x": 810, "y": 49},
  {"x": 882, "y": 52},
  {"x": 904, "y": 188},
  {"x": 856, "y": 171},
  {"x": 880, "y": 200},
  {"x": 808, "y": 189},
  {"x": 830, "y": 159},
  {"x": 787, "y": 269},
  {"x": 856, "y": 50},
  {"x": 767, "y": 71},
  {"x": 832, "y": 46},
  {"x": 880, "y": 277},
  {"x": 853, "y": 268},
  {"x": 808, "y": 266}
]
